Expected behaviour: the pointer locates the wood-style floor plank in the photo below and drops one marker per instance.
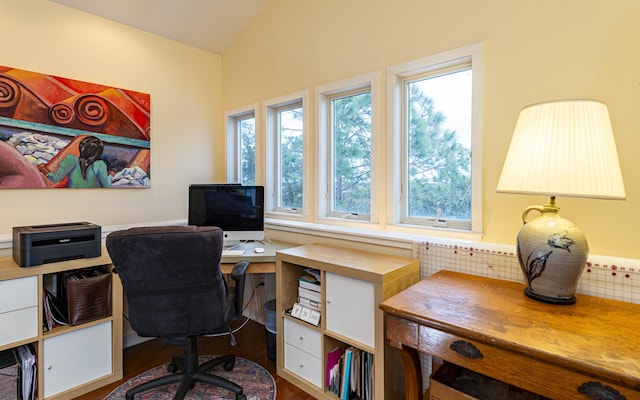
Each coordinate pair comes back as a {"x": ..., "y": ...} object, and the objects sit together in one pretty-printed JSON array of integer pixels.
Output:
[{"x": 252, "y": 345}]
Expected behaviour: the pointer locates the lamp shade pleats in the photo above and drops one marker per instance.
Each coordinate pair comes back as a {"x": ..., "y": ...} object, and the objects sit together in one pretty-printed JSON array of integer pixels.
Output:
[{"x": 563, "y": 148}]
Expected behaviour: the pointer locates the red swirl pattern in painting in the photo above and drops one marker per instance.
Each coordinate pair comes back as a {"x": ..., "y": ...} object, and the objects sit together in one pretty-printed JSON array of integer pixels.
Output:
[{"x": 69, "y": 103}]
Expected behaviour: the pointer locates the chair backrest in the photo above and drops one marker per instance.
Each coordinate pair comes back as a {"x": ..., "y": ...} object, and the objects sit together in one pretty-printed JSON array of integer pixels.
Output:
[{"x": 172, "y": 280}]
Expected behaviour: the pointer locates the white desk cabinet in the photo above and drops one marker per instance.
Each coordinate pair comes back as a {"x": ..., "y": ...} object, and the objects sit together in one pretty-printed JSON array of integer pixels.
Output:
[
  {"x": 353, "y": 284},
  {"x": 71, "y": 360}
]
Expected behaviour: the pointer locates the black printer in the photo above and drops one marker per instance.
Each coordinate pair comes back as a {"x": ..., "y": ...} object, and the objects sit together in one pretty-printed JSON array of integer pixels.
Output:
[{"x": 41, "y": 244}]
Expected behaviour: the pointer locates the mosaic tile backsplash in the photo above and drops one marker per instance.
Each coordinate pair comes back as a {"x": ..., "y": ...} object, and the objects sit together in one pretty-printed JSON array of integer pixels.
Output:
[{"x": 603, "y": 276}]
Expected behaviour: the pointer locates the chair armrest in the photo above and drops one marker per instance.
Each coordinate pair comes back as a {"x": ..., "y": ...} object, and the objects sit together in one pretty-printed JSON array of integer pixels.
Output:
[
  {"x": 239, "y": 270},
  {"x": 238, "y": 274}
]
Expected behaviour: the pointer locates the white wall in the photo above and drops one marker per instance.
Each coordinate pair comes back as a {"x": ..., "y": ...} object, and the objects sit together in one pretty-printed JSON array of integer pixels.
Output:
[{"x": 184, "y": 84}]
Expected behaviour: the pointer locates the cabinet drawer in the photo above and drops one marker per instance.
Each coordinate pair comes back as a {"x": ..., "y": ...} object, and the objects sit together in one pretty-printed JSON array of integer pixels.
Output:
[
  {"x": 18, "y": 309},
  {"x": 514, "y": 368},
  {"x": 303, "y": 364},
  {"x": 350, "y": 308},
  {"x": 302, "y": 337},
  {"x": 77, "y": 357},
  {"x": 18, "y": 325},
  {"x": 18, "y": 293}
]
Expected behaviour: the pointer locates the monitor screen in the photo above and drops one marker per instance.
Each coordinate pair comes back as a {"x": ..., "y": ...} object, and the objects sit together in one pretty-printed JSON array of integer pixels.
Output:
[{"x": 237, "y": 210}]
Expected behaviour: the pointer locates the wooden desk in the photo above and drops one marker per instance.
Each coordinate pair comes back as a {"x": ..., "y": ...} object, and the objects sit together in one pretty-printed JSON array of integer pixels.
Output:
[
  {"x": 589, "y": 350},
  {"x": 261, "y": 263},
  {"x": 254, "y": 268}
]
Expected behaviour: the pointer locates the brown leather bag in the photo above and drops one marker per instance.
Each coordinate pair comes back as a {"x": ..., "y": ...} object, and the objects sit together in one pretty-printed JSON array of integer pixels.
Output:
[{"x": 88, "y": 295}]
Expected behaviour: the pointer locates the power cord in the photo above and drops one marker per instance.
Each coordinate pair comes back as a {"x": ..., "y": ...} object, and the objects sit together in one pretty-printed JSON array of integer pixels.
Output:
[
  {"x": 266, "y": 239},
  {"x": 234, "y": 331}
]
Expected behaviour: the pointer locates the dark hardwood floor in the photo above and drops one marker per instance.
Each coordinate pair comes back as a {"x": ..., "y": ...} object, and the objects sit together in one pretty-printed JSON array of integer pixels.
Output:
[{"x": 252, "y": 345}]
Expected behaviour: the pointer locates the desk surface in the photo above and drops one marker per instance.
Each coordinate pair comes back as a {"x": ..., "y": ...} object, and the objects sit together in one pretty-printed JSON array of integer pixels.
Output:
[
  {"x": 598, "y": 337},
  {"x": 260, "y": 262}
]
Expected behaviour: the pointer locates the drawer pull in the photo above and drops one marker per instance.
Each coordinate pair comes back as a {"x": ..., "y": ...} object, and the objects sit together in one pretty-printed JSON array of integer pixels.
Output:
[
  {"x": 466, "y": 349},
  {"x": 301, "y": 337},
  {"x": 597, "y": 391}
]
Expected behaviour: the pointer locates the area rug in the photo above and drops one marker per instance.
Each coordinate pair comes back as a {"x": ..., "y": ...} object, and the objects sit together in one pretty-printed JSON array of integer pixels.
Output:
[{"x": 256, "y": 382}]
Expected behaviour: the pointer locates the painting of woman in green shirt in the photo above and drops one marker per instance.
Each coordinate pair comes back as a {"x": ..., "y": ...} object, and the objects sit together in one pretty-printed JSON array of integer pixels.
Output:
[{"x": 87, "y": 170}]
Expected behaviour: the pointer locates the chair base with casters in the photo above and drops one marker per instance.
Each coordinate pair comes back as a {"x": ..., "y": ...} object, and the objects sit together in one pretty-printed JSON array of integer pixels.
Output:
[{"x": 191, "y": 373}]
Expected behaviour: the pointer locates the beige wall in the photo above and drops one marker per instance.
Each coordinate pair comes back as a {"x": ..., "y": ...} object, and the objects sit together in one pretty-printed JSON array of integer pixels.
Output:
[
  {"x": 533, "y": 51},
  {"x": 185, "y": 89}
]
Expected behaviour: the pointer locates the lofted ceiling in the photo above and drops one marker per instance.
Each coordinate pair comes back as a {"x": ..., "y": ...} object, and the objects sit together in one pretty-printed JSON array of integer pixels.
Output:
[{"x": 206, "y": 24}]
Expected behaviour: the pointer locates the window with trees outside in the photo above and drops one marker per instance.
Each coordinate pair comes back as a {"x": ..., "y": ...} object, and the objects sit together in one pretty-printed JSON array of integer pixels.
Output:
[
  {"x": 241, "y": 146},
  {"x": 437, "y": 123},
  {"x": 345, "y": 156},
  {"x": 286, "y": 135}
]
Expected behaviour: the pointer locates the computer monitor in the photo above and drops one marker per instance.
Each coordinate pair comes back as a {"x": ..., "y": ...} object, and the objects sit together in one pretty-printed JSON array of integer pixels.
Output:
[{"x": 238, "y": 210}]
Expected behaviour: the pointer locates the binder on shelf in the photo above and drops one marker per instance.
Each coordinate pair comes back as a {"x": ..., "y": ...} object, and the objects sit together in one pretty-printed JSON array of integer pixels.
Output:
[
  {"x": 309, "y": 282},
  {"x": 355, "y": 376},
  {"x": 333, "y": 369},
  {"x": 310, "y": 303},
  {"x": 354, "y": 381},
  {"x": 308, "y": 294},
  {"x": 313, "y": 272},
  {"x": 346, "y": 371},
  {"x": 27, "y": 362}
]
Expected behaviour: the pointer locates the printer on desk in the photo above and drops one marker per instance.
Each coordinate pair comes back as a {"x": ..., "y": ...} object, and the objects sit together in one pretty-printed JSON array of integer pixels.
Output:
[{"x": 41, "y": 244}]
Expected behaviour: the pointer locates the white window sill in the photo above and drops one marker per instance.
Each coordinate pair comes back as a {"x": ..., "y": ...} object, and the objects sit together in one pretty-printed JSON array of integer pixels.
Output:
[{"x": 395, "y": 236}]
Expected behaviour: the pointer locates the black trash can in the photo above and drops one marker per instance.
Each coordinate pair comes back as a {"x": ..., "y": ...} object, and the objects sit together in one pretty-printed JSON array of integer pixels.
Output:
[{"x": 270, "y": 325}]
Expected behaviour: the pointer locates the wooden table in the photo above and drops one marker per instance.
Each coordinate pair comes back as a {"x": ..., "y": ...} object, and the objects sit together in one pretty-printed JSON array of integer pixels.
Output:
[
  {"x": 261, "y": 263},
  {"x": 588, "y": 350}
]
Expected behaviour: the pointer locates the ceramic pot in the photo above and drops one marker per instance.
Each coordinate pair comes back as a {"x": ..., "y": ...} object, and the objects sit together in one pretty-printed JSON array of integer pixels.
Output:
[{"x": 552, "y": 252}]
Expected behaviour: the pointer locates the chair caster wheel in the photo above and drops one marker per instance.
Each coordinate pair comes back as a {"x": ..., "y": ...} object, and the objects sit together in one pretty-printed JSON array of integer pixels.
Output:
[
  {"x": 228, "y": 366},
  {"x": 172, "y": 368},
  {"x": 241, "y": 397}
]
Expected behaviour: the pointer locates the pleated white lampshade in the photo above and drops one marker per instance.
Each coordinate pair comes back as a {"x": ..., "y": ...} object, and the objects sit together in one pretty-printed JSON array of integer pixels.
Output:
[
  {"x": 560, "y": 148},
  {"x": 563, "y": 148}
]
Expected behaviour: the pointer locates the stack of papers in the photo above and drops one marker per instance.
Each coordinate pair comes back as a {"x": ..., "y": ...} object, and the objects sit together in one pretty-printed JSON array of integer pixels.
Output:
[{"x": 27, "y": 361}]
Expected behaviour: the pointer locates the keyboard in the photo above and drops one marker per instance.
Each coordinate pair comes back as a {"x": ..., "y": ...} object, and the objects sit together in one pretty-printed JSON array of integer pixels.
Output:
[{"x": 232, "y": 252}]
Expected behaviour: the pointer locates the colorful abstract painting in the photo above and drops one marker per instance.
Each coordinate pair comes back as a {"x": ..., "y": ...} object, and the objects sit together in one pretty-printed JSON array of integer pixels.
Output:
[{"x": 62, "y": 133}]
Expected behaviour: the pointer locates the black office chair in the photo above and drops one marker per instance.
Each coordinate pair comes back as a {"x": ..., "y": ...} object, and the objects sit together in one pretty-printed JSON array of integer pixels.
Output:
[{"x": 175, "y": 290}]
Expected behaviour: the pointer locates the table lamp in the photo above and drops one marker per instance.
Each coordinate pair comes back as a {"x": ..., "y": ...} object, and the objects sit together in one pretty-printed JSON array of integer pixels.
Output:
[{"x": 559, "y": 148}]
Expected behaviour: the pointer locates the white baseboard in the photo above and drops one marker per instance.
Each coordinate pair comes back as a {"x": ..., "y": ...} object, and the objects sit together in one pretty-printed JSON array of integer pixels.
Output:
[{"x": 130, "y": 339}]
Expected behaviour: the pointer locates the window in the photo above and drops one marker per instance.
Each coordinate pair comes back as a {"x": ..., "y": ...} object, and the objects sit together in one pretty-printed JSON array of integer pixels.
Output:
[
  {"x": 346, "y": 126},
  {"x": 435, "y": 117},
  {"x": 286, "y": 136},
  {"x": 241, "y": 148}
]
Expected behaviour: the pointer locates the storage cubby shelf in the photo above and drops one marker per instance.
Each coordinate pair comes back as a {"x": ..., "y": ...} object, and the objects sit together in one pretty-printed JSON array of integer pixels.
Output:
[{"x": 353, "y": 284}]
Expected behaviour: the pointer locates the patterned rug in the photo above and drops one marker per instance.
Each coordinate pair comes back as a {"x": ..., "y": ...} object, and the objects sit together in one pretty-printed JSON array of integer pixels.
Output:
[{"x": 256, "y": 382}]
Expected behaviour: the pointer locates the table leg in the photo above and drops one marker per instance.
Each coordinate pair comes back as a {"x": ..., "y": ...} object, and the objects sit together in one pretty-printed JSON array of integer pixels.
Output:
[{"x": 412, "y": 371}]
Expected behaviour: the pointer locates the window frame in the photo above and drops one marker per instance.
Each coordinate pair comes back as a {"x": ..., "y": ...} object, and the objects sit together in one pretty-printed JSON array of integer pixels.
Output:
[
  {"x": 233, "y": 145},
  {"x": 324, "y": 148},
  {"x": 272, "y": 150},
  {"x": 397, "y": 76}
]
